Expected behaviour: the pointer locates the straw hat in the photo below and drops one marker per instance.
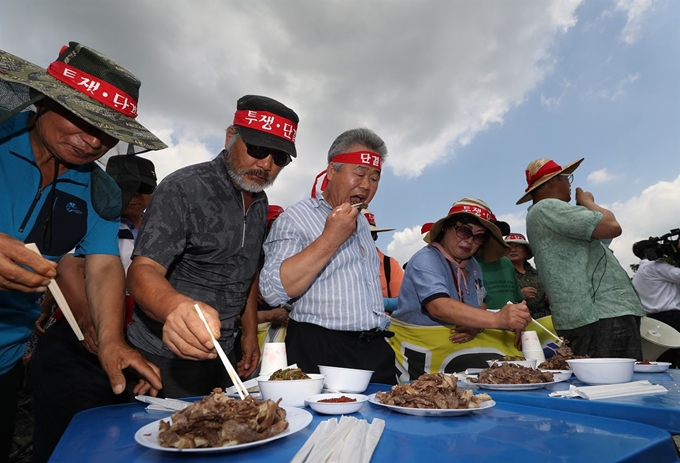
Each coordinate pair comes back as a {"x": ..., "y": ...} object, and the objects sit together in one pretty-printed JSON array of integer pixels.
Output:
[
  {"x": 371, "y": 221},
  {"x": 540, "y": 171},
  {"x": 493, "y": 249},
  {"x": 520, "y": 239},
  {"x": 90, "y": 85}
]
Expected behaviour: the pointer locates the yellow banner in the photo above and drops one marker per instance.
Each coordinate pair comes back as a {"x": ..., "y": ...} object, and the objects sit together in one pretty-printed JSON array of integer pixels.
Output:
[{"x": 427, "y": 349}]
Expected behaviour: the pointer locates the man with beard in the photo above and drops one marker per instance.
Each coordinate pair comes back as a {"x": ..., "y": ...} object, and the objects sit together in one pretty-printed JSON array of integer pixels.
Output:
[{"x": 200, "y": 243}]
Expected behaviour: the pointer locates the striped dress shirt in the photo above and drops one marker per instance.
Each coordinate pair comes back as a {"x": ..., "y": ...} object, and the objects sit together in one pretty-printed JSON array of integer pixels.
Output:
[{"x": 346, "y": 295}]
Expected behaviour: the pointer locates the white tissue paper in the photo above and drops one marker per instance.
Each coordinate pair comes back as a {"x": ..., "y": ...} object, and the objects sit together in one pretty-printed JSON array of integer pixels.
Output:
[
  {"x": 608, "y": 391},
  {"x": 349, "y": 441}
]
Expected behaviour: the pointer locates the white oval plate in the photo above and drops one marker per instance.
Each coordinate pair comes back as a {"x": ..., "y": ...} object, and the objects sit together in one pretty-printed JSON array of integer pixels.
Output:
[
  {"x": 653, "y": 367},
  {"x": 432, "y": 411},
  {"x": 297, "y": 418},
  {"x": 509, "y": 387}
]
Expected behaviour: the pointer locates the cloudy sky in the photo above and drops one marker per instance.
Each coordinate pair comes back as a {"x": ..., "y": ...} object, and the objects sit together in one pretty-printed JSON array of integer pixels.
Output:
[{"x": 464, "y": 93}]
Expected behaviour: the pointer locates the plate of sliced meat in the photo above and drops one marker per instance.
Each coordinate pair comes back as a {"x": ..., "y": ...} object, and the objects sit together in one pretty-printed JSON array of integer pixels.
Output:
[
  {"x": 242, "y": 426},
  {"x": 432, "y": 411},
  {"x": 651, "y": 367},
  {"x": 509, "y": 387}
]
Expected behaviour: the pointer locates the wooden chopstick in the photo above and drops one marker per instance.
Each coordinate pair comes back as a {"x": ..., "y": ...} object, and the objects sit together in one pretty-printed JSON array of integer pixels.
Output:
[
  {"x": 61, "y": 300},
  {"x": 240, "y": 388}
]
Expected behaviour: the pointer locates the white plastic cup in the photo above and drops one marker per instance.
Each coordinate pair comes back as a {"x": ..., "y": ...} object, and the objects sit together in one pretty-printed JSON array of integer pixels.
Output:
[
  {"x": 273, "y": 357},
  {"x": 530, "y": 341},
  {"x": 531, "y": 346}
]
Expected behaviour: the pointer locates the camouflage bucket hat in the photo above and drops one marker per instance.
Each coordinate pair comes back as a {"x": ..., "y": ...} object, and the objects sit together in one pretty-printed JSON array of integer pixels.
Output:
[{"x": 85, "y": 82}]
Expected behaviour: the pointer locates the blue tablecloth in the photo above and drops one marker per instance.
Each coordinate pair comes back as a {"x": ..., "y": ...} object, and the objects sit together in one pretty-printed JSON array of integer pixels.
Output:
[
  {"x": 504, "y": 433},
  {"x": 661, "y": 410}
]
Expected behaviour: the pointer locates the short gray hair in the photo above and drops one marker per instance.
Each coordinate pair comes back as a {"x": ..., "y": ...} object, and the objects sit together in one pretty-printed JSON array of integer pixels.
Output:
[{"x": 361, "y": 136}]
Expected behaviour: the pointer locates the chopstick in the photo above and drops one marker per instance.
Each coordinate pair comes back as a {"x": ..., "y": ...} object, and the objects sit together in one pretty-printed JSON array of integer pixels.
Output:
[
  {"x": 59, "y": 297},
  {"x": 240, "y": 388},
  {"x": 557, "y": 338}
]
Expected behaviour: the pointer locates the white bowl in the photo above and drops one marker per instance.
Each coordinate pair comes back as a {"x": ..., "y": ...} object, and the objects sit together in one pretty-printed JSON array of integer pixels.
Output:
[
  {"x": 560, "y": 375},
  {"x": 340, "y": 379},
  {"x": 292, "y": 392},
  {"x": 336, "y": 408},
  {"x": 524, "y": 363},
  {"x": 603, "y": 370}
]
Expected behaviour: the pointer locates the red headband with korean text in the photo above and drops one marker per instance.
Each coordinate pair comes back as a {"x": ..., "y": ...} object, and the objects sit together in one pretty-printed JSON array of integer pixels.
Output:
[
  {"x": 548, "y": 168},
  {"x": 97, "y": 89},
  {"x": 361, "y": 158},
  {"x": 474, "y": 210},
  {"x": 267, "y": 122}
]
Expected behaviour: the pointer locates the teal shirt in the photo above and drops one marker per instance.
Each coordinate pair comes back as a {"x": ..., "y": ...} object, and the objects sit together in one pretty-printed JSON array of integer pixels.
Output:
[
  {"x": 582, "y": 278},
  {"x": 500, "y": 282}
]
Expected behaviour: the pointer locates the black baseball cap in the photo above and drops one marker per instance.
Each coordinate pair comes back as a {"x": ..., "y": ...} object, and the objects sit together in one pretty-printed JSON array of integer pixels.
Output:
[{"x": 263, "y": 121}]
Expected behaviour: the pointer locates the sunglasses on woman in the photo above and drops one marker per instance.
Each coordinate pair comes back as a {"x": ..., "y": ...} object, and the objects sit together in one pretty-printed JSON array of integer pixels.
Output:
[
  {"x": 463, "y": 232},
  {"x": 280, "y": 158}
]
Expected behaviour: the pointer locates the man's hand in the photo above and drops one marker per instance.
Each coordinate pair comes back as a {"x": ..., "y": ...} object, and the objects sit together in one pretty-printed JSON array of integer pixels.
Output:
[
  {"x": 251, "y": 355},
  {"x": 278, "y": 316},
  {"x": 514, "y": 316},
  {"x": 340, "y": 224},
  {"x": 583, "y": 198},
  {"x": 529, "y": 292},
  {"x": 185, "y": 334},
  {"x": 13, "y": 277},
  {"x": 463, "y": 334},
  {"x": 116, "y": 356}
]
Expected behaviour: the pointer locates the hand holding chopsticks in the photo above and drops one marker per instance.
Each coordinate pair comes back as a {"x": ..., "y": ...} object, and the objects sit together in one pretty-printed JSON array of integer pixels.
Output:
[
  {"x": 240, "y": 388},
  {"x": 61, "y": 300}
]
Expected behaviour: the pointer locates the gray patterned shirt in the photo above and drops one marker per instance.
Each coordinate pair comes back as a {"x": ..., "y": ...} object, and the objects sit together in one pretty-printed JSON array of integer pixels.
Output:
[{"x": 195, "y": 226}]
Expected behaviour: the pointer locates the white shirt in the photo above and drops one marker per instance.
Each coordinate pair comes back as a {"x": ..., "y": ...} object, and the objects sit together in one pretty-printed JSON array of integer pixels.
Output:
[{"x": 658, "y": 284}]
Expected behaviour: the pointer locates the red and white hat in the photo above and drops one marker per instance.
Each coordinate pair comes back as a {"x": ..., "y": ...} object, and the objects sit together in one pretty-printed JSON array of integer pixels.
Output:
[
  {"x": 520, "y": 239},
  {"x": 541, "y": 170},
  {"x": 493, "y": 249},
  {"x": 371, "y": 221}
]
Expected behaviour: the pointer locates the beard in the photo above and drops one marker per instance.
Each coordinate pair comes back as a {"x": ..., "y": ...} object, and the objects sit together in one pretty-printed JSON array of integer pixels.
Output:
[{"x": 240, "y": 177}]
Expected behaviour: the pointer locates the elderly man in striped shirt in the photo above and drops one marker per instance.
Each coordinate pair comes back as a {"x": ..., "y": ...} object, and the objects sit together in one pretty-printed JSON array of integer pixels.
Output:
[{"x": 320, "y": 255}]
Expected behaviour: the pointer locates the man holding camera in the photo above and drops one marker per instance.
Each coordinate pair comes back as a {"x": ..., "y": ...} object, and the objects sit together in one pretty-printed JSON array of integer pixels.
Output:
[{"x": 658, "y": 284}]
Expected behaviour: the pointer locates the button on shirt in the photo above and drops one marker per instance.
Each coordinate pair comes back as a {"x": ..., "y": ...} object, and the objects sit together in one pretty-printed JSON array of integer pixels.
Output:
[{"x": 346, "y": 295}]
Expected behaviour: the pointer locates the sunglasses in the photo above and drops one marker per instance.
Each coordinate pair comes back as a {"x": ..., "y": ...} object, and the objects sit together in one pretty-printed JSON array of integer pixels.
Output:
[
  {"x": 145, "y": 189},
  {"x": 465, "y": 233},
  {"x": 280, "y": 158}
]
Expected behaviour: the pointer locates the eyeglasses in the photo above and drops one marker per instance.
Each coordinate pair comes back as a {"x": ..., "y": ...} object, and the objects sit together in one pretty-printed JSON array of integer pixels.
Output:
[
  {"x": 463, "y": 232},
  {"x": 570, "y": 177},
  {"x": 281, "y": 158}
]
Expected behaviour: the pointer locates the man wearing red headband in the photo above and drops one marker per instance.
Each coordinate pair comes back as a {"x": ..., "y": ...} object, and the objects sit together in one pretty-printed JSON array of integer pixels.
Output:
[
  {"x": 593, "y": 303},
  {"x": 320, "y": 254},
  {"x": 54, "y": 124},
  {"x": 200, "y": 244}
]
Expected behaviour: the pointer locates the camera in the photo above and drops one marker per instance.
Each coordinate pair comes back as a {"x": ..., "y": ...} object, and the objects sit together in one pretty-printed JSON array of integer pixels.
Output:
[{"x": 664, "y": 247}]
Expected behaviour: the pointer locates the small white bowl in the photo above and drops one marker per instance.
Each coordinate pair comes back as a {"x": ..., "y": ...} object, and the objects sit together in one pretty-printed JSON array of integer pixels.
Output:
[
  {"x": 336, "y": 408},
  {"x": 524, "y": 363},
  {"x": 603, "y": 370},
  {"x": 340, "y": 379},
  {"x": 292, "y": 392},
  {"x": 560, "y": 375}
]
